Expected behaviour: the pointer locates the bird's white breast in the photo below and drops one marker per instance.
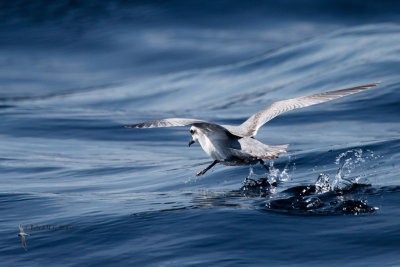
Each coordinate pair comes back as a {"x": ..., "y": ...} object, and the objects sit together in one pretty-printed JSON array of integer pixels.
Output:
[{"x": 215, "y": 146}]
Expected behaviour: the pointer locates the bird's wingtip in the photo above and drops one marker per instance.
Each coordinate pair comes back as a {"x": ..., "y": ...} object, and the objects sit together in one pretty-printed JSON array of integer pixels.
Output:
[
  {"x": 376, "y": 83},
  {"x": 372, "y": 85}
]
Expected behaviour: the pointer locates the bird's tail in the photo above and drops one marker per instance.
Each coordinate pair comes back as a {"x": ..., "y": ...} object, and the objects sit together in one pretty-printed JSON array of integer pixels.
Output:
[
  {"x": 272, "y": 152},
  {"x": 256, "y": 149}
]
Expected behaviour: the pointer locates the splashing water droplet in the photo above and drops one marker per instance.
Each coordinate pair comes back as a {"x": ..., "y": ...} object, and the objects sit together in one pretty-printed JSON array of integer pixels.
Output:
[
  {"x": 352, "y": 161},
  {"x": 353, "y": 164},
  {"x": 273, "y": 173},
  {"x": 276, "y": 175},
  {"x": 284, "y": 175},
  {"x": 322, "y": 185},
  {"x": 251, "y": 172}
]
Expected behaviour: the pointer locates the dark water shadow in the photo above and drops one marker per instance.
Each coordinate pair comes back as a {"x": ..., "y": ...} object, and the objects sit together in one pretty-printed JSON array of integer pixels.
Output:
[
  {"x": 307, "y": 201},
  {"x": 304, "y": 200}
]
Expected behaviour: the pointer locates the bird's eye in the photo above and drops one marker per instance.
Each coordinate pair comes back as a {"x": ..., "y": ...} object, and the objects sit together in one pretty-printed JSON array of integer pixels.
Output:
[{"x": 192, "y": 131}]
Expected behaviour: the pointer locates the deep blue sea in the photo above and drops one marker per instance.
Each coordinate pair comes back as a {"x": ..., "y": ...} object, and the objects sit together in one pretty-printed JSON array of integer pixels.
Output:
[{"x": 93, "y": 193}]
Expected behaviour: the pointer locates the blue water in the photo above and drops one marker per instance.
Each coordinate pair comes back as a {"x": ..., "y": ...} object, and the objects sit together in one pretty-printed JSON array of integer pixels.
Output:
[{"x": 90, "y": 192}]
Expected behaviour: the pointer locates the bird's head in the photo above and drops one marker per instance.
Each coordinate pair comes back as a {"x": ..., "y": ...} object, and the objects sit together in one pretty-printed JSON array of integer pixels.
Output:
[{"x": 194, "y": 131}]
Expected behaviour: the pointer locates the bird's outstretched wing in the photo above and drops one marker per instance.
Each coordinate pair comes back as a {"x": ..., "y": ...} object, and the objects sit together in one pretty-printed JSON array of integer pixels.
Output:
[
  {"x": 171, "y": 122},
  {"x": 250, "y": 127},
  {"x": 23, "y": 242},
  {"x": 21, "y": 230},
  {"x": 204, "y": 125}
]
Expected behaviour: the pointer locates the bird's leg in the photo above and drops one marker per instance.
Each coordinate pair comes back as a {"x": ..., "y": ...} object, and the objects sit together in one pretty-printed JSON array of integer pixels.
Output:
[
  {"x": 206, "y": 169},
  {"x": 265, "y": 165}
]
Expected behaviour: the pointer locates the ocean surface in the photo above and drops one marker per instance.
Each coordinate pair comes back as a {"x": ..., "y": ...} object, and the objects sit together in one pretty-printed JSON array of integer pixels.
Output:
[{"x": 93, "y": 193}]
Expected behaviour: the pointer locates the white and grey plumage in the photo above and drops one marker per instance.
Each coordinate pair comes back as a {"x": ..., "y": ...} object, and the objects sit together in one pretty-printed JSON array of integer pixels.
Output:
[
  {"x": 235, "y": 145},
  {"x": 22, "y": 234}
]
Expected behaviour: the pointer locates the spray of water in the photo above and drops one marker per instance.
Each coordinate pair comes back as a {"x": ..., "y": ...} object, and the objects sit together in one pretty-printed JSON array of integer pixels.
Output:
[
  {"x": 352, "y": 166},
  {"x": 274, "y": 175}
]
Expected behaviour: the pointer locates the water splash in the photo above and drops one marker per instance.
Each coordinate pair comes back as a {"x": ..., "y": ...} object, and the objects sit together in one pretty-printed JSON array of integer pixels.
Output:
[
  {"x": 322, "y": 185},
  {"x": 255, "y": 186},
  {"x": 353, "y": 161},
  {"x": 344, "y": 194},
  {"x": 265, "y": 186},
  {"x": 353, "y": 164},
  {"x": 276, "y": 175},
  {"x": 284, "y": 176},
  {"x": 271, "y": 177}
]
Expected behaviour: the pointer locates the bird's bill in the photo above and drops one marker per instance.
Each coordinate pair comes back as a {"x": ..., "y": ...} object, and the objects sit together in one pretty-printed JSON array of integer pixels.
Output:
[{"x": 191, "y": 142}]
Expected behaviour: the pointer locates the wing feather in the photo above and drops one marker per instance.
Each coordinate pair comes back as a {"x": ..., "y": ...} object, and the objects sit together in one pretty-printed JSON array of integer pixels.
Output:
[
  {"x": 250, "y": 127},
  {"x": 171, "y": 122},
  {"x": 23, "y": 241}
]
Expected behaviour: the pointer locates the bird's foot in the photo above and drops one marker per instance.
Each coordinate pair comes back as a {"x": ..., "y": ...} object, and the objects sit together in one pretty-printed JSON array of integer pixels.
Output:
[
  {"x": 264, "y": 165},
  {"x": 200, "y": 173}
]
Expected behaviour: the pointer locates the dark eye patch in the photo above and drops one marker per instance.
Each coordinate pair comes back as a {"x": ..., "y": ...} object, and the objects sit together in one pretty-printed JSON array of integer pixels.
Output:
[{"x": 192, "y": 131}]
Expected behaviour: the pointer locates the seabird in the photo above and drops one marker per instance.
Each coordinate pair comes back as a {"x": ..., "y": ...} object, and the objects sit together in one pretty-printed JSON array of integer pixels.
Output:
[
  {"x": 235, "y": 145},
  {"x": 22, "y": 234}
]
